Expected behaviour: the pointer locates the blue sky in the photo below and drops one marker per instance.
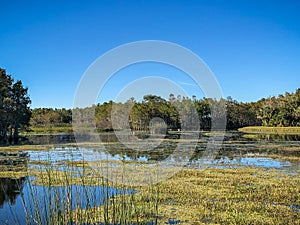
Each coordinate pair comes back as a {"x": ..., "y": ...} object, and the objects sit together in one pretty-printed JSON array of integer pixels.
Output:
[{"x": 252, "y": 47}]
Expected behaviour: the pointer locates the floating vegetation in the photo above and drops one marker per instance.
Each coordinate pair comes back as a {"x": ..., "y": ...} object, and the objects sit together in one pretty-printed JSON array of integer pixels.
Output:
[
  {"x": 219, "y": 196},
  {"x": 22, "y": 147},
  {"x": 231, "y": 196}
]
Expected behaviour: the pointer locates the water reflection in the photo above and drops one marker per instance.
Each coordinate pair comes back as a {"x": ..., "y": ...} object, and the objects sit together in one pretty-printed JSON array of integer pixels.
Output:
[
  {"x": 50, "y": 139},
  {"x": 43, "y": 139},
  {"x": 10, "y": 188},
  {"x": 235, "y": 146},
  {"x": 38, "y": 202},
  {"x": 234, "y": 162},
  {"x": 111, "y": 137}
]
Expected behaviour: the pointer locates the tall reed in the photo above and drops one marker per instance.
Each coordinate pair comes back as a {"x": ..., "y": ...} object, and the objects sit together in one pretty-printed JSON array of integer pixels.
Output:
[{"x": 74, "y": 193}]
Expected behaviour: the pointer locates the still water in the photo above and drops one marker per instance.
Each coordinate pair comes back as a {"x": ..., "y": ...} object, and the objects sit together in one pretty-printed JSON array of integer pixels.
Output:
[{"x": 18, "y": 194}]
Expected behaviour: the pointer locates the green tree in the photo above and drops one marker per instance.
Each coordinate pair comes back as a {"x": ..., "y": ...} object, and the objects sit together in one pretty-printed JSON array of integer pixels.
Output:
[
  {"x": 20, "y": 115},
  {"x": 241, "y": 114},
  {"x": 283, "y": 110},
  {"x": 14, "y": 107}
]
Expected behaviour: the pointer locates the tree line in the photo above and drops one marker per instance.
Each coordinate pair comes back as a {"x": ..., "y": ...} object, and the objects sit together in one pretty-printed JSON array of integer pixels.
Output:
[
  {"x": 176, "y": 112},
  {"x": 283, "y": 110}
]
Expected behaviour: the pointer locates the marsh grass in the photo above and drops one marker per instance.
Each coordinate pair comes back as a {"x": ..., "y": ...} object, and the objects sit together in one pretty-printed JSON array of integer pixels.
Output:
[
  {"x": 270, "y": 130},
  {"x": 214, "y": 196},
  {"x": 69, "y": 193},
  {"x": 245, "y": 195},
  {"x": 78, "y": 194},
  {"x": 231, "y": 196}
]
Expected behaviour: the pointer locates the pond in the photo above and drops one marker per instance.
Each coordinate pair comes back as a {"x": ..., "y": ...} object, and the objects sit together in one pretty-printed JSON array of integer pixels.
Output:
[{"x": 238, "y": 150}]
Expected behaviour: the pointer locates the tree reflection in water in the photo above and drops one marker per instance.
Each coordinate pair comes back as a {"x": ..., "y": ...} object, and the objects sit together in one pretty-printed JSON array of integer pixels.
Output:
[{"x": 10, "y": 188}]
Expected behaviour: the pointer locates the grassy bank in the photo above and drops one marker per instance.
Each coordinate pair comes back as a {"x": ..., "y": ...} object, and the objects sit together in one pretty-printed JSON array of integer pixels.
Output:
[
  {"x": 270, "y": 130},
  {"x": 49, "y": 130},
  {"x": 65, "y": 129},
  {"x": 250, "y": 129}
]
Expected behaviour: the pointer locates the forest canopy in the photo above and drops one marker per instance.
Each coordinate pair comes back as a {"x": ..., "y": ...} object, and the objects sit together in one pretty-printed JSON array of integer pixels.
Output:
[{"x": 280, "y": 111}]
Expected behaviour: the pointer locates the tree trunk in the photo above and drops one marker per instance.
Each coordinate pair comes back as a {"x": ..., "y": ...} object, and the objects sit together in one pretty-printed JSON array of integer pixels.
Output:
[
  {"x": 10, "y": 137},
  {"x": 16, "y": 133},
  {"x": 5, "y": 134}
]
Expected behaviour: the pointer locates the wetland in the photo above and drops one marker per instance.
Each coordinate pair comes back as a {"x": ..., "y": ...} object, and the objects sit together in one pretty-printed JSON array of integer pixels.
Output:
[{"x": 252, "y": 179}]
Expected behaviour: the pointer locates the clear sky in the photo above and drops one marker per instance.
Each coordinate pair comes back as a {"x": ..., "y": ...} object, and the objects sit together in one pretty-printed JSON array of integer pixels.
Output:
[{"x": 252, "y": 47}]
